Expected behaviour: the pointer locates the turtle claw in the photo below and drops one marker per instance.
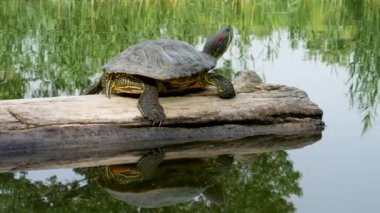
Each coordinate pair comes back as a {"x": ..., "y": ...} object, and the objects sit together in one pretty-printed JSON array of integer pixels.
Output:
[
  {"x": 158, "y": 153},
  {"x": 157, "y": 123},
  {"x": 156, "y": 115}
]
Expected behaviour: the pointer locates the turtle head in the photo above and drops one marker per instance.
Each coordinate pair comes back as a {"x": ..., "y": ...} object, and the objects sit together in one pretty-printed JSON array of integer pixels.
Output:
[{"x": 218, "y": 43}]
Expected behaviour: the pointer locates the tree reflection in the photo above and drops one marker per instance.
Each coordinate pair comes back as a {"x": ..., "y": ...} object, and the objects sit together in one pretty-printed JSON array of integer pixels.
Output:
[
  {"x": 365, "y": 61},
  {"x": 269, "y": 181},
  {"x": 263, "y": 183},
  {"x": 345, "y": 34}
]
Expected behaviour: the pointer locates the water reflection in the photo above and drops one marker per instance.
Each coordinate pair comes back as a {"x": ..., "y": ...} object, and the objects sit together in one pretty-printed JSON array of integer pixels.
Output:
[
  {"x": 171, "y": 182},
  {"x": 255, "y": 183},
  {"x": 249, "y": 174}
]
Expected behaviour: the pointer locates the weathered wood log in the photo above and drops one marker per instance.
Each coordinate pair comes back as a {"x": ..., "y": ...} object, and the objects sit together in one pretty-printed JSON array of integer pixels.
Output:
[
  {"x": 64, "y": 130},
  {"x": 254, "y": 104},
  {"x": 121, "y": 153}
]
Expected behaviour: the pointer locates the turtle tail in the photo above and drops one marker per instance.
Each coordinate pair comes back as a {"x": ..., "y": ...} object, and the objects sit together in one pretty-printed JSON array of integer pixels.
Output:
[{"x": 94, "y": 89}]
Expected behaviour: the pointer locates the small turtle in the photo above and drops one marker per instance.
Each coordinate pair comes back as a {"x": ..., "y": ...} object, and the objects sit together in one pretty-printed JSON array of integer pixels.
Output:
[{"x": 165, "y": 66}]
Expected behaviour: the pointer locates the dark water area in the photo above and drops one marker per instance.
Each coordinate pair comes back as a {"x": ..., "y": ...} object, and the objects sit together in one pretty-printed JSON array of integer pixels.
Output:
[{"x": 330, "y": 49}]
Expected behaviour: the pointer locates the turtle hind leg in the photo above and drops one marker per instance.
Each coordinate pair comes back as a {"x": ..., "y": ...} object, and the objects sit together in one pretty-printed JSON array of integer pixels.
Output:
[
  {"x": 149, "y": 105},
  {"x": 224, "y": 86},
  {"x": 94, "y": 89}
]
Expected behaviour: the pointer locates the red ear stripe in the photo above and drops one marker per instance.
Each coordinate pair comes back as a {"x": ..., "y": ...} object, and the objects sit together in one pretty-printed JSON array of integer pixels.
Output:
[{"x": 219, "y": 38}]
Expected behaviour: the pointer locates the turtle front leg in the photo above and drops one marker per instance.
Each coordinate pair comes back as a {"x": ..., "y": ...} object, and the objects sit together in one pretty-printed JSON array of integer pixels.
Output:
[
  {"x": 149, "y": 105},
  {"x": 224, "y": 86}
]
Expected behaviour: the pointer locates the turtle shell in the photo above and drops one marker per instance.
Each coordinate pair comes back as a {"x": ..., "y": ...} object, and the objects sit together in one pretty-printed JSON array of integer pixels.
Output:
[{"x": 161, "y": 59}]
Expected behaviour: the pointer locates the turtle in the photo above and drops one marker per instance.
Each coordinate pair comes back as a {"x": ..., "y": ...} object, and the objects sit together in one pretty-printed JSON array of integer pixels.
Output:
[
  {"x": 164, "y": 66},
  {"x": 154, "y": 183}
]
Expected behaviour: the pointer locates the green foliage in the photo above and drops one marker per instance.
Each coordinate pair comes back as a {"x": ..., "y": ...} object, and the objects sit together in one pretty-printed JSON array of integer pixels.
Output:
[
  {"x": 264, "y": 184},
  {"x": 365, "y": 62},
  {"x": 52, "y": 48},
  {"x": 18, "y": 194},
  {"x": 269, "y": 182}
]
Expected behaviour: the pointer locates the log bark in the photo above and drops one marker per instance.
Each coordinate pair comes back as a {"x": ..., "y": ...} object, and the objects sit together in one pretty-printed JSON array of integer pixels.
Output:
[{"x": 60, "y": 131}]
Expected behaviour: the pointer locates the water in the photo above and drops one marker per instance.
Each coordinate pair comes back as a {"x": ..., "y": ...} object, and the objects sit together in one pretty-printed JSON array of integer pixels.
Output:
[
  {"x": 338, "y": 172},
  {"x": 327, "y": 48}
]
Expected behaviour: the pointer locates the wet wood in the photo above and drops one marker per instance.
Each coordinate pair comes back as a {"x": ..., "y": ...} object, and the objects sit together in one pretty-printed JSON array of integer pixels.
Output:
[
  {"x": 73, "y": 152},
  {"x": 54, "y": 129}
]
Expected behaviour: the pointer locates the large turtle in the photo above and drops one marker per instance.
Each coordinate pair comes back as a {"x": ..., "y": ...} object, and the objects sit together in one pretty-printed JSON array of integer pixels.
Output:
[{"x": 165, "y": 66}]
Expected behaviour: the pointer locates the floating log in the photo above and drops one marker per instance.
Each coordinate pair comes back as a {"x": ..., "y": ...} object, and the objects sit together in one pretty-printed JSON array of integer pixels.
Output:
[{"x": 87, "y": 130}]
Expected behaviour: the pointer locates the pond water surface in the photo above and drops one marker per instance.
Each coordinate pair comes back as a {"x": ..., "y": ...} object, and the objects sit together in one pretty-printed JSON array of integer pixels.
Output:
[{"x": 330, "y": 49}]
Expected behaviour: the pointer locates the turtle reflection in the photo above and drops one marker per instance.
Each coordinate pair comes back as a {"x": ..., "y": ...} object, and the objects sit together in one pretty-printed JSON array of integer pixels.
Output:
[{"x": 152, "y": 183}]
